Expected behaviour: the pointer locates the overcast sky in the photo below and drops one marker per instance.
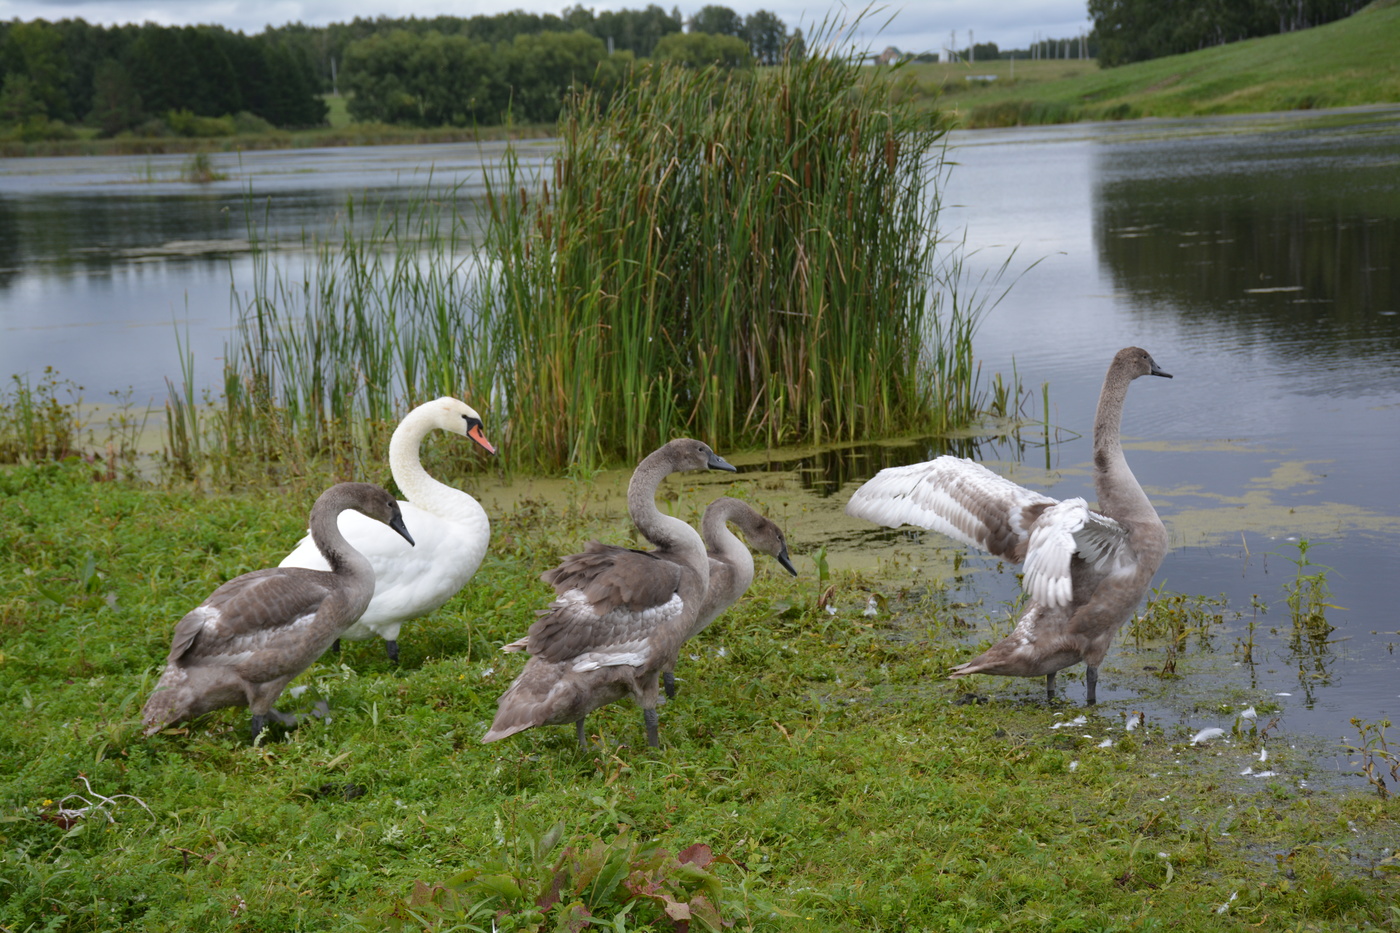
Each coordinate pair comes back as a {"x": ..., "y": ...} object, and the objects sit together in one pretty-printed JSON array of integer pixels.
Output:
[{"x": 913, "y": 25}]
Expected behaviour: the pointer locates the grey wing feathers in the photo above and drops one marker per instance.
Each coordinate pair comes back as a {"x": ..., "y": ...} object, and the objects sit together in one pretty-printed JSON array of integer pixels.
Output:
[
  {"x": 610, "y": 577},
  {"x": 611, "y": 600},
  {"x": 250, "y": 606},
  {"x": 959, "y": 498}
]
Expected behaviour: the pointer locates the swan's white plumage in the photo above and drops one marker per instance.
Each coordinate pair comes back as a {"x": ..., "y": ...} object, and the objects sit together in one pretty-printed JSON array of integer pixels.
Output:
[{"x": 450, "y": 528}]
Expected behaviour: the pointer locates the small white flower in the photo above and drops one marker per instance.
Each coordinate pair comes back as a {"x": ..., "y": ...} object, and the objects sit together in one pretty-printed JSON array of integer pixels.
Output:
[{"x": 830, "y": 610}]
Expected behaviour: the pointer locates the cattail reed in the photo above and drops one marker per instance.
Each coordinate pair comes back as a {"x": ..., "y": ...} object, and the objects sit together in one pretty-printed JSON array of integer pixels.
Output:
[{"x": 752, "y": 260}]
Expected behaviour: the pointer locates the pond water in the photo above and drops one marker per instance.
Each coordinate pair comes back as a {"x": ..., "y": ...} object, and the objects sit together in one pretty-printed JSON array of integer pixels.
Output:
[{"x": 1254, "y": 257}]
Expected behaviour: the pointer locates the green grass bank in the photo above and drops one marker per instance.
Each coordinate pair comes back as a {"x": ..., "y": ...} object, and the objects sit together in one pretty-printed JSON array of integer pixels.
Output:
[
  {"x": 1350, "y": 62},
  {"x": 833, "y": 777}
]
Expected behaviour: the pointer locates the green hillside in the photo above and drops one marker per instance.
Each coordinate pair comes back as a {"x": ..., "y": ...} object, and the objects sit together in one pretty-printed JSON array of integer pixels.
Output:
[{"x": 1346, "y": 63}]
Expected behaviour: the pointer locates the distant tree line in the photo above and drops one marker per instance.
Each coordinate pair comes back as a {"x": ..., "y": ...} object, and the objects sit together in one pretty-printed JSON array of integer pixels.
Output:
[
  {"x": 1075, "y": 47},
  {"x": 518, "y": 66},
  {"x": 1137, "y": 30},
  {"x": 442, "y": 70},
  {"x": 118, "y": 78}
]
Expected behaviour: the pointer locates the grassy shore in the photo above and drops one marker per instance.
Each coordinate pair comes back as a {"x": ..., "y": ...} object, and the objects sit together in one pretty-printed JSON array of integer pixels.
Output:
[
  {"x": 837, "y": 779},
  {"x": 1347, "y": 63}
]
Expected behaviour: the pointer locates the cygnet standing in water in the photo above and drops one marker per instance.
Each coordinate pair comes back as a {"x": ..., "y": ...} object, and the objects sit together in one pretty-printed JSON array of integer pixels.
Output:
[
  {"x": 1085, "y": 571},
  {"x": 254, "y": 634}
]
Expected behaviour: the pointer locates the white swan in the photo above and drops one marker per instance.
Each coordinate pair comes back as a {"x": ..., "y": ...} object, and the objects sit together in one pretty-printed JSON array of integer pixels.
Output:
[
  {"x": 451, "y": 529},
  {"x": 1085, "y": 571},
  {"x": 258, "y": 631},
  {"x": 621, "y": 615}
]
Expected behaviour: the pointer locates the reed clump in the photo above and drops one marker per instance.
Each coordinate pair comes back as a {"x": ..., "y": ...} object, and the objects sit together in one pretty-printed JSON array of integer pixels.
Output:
[{"x": 753, "y": 261}]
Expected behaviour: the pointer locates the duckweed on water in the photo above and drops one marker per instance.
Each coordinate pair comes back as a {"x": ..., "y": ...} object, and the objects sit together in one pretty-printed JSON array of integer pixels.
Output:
[{"x": 817, "y": 772}]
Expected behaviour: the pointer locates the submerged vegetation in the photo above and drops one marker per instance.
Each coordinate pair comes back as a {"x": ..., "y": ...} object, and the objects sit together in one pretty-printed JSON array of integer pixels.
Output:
[
  {"x": 752, "y": 262},
  {"x": 817, "y": 771}
]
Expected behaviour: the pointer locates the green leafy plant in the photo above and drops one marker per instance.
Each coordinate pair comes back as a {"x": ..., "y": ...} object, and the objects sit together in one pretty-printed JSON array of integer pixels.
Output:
[
  {"x": 1171, "y": 619},
  {"x": 589, "y": 882},
  {"x": 1376, "y": 755},
  {"x": 42, "y": 421},
  {"x": 1308, "y": 597}
]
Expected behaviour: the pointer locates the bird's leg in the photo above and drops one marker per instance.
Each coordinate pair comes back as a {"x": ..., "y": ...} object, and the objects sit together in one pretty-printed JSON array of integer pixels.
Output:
[
  {"x": 653, "y": 736},
  {"x": 669, "y": 680},
  {"x": 258, "y": 723},
  {"x": 335, "y": 646},
  {"x": 1050, "y": 686},
  {"x": 1091, "y": 677},
  {"x": 582, "y": 736},
  {"x": 391, "y": 646}
]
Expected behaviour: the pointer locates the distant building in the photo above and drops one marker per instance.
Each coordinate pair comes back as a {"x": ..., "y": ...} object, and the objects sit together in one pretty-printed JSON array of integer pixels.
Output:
[{"x": 889, "y": 56}]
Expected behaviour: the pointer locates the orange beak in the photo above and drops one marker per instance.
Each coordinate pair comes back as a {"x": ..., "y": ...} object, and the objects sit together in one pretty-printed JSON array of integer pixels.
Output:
[{"x": 476, "y": 434}]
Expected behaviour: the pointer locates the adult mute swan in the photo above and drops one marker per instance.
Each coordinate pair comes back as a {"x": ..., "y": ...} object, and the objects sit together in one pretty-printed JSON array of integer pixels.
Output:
[
  {"x": 1085, "y": 571},
  {"x": 620, "y": 616},
  {"x": 451, "y": 529},
  {"x": 255, "y": 633}
]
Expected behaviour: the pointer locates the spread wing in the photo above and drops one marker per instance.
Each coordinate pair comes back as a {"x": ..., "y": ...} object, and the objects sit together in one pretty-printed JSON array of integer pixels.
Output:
[
  {"x": 969, "y": 503},
  {"x": 959, "y": 498},
  {"x": 1066, "y": 530}
]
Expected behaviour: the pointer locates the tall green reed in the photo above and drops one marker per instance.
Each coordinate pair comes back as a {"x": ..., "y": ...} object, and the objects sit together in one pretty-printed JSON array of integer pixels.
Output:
[
  {"x": 755, "y": 261},
  {"x": 329, "y": 351}
]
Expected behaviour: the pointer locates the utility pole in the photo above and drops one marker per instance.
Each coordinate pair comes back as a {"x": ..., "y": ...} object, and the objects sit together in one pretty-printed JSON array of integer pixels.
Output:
[{"x": 971, "y": 48}]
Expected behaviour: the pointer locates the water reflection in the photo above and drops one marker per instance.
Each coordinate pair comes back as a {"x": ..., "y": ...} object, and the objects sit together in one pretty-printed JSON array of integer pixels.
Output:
[{"x": 1291, "y": 240}]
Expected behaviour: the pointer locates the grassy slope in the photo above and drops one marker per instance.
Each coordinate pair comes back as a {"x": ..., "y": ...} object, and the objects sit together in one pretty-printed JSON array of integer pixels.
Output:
[
  {"x": 821, "y": 752},
  {"x": 1346, "y": 63}
]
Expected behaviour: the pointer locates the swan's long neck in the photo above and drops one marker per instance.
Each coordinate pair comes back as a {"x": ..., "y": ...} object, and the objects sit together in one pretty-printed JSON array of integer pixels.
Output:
[
  {"x": 724, "y": 546},
  {"x": 343, "y": 559},
  {"x": 416, "y": 484},
  {"x": 1117, "y": 489},
  {"x": 669, "y": 534}
]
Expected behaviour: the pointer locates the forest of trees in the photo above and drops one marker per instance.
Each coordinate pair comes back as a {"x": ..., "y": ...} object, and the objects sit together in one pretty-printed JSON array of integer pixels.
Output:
[
  {"x": 1136, "y": 30},
  {"x": 445, "y": 70},
  {"x": 121, "y": 78}
]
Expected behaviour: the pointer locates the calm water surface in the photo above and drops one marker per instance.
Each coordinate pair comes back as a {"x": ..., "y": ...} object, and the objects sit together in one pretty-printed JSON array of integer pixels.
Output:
[{"x": 1255, "y": 258}]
